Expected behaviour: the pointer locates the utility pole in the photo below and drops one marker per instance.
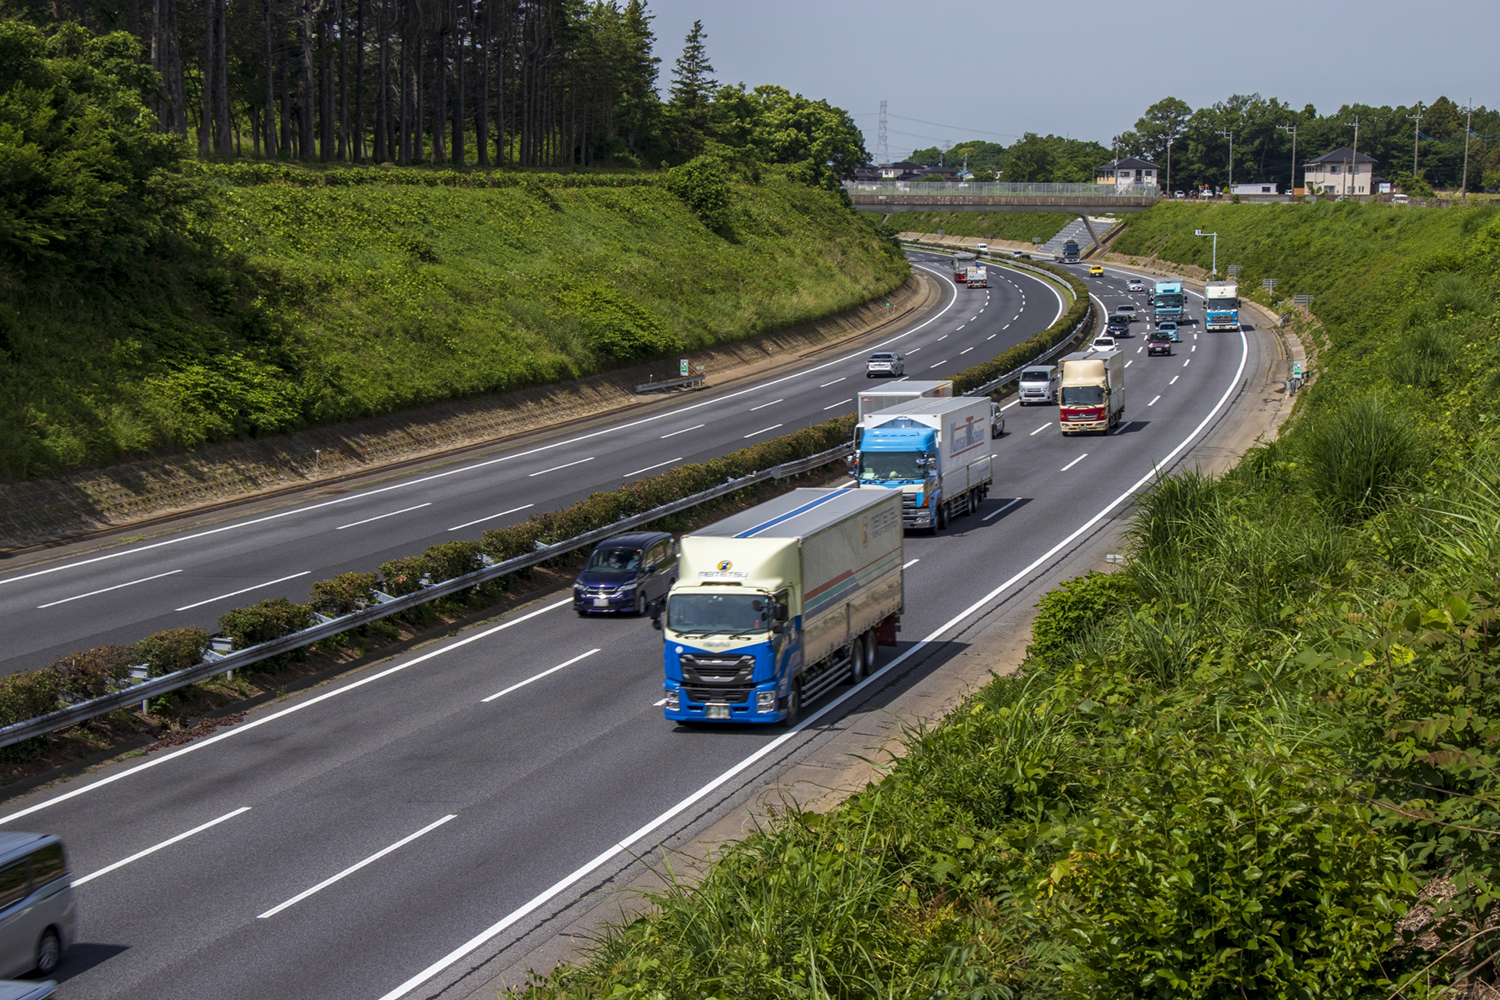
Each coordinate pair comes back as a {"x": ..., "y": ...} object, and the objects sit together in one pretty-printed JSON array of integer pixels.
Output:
[
  {"x": 1355, "y": 153},
  {"x": 1292, "y": 128},
  {"x": 1468, "y": 123},
  {"x": 1231, "y": 156},
  {"x": 1169, "y": 165},
  {"x": 1416, "y": 133}
]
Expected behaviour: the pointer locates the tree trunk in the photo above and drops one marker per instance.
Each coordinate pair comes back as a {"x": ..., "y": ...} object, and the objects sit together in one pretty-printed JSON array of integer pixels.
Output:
[
  {"x": 359, "y": 83},
  {"x": 206, "y": 115},
  {"x": 225, "y": 148},
  {"x": 305, "y": 93},
  {"x": 459, "y": 80},
  {"x": 343, "y": 84},
  {"x": 482, "y": 99},
  {"x": 403, "y": 135},
  {"x": 270, "y": 89},
  {"x": 440, "y": 91},
  {"x": 327, "y": 122}
]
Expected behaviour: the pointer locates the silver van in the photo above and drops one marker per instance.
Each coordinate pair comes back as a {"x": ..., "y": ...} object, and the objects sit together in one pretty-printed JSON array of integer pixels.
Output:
[
  {"x": 1039, "y": 384},
  {"x": 37, "y": 914}
]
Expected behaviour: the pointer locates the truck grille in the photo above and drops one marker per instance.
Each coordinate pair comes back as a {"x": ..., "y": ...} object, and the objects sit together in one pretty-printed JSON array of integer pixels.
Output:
[{"x": 708, "y": 677}]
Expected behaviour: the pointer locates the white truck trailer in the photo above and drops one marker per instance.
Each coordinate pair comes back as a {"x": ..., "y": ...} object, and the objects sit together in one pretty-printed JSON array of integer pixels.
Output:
[
  {"x": 977, "y": 277},
  {"x": 776, "y": 605},
  {"x": 893, "y": 393},
  {"x": 934, "y": 452}
]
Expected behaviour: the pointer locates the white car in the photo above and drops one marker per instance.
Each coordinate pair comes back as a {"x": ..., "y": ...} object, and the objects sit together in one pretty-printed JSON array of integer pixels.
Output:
[
  {"x": 1128, "y": 310},
  {"x": 997, "y": 420},
  {"x": 1135, "y": 284},
  {"x": 1104, "y": 343},
  {"x": 885, "y": 363},
  {"x": 982, "y": 248}
]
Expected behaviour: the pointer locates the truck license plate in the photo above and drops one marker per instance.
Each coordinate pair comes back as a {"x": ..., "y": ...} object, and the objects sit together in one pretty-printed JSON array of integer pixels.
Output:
[
  {"x": 718, "y": 711},
  {"x": 601, "y": 602}
]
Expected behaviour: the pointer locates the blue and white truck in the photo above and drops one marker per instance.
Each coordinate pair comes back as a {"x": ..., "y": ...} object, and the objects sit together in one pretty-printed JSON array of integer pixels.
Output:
[
  {"x": 775, "y": 606},
  {"x": 1167, "y": 300},
  {"x": 934, "y": 452},
  {"x": 1221, "y": 305}
]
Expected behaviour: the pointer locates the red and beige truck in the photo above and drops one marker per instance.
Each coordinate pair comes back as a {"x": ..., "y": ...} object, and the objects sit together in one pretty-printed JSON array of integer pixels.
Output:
[{"x": 1092, "y": 397}]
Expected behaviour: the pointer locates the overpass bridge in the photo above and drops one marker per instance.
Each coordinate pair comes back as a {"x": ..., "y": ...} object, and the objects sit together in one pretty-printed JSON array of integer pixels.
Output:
[{"x": 1081, "y": 200}]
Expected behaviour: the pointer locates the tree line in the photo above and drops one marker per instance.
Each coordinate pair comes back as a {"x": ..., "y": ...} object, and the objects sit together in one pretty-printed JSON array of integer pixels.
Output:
[{"x": 1416, "y": 146}]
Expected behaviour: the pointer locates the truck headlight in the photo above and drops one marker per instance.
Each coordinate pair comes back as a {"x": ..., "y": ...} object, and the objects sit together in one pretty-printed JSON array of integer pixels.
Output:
[
  {"x": 765, "y": 701},
  {"x": 674, "y": 700}
]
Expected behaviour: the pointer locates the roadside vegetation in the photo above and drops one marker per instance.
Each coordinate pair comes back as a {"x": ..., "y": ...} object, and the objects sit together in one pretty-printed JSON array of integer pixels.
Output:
[{"x": 1258, "y": 761}]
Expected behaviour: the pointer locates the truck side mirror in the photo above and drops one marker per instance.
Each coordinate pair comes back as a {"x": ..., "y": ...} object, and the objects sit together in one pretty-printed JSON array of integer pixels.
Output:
[
  {"x": 778, "y": 628},
  {"x": 780, "y": 611}
]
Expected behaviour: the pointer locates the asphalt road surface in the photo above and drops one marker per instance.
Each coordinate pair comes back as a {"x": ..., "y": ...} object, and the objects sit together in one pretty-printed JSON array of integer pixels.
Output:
[
  {"x": 84, "y": 596},
  {"x": 397, "y": 833}
]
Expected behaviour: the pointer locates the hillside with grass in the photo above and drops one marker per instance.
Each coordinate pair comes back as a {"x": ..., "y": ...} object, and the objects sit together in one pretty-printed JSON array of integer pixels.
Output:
[
  {"x": 300, "y": 297},
  {"x": 1259, "y": 761}
]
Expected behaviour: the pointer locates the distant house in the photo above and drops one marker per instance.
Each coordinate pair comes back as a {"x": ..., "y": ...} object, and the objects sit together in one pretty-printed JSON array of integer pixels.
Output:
[
  {"x": 1341, "y": 171},
  {"x": 946, "y": 173},
  {"x": 1127, "y": 171},
  {"x": 893, "y": 171},
  {"x": 868, "y": 174},
  {"x": 1255, "y": 189}
]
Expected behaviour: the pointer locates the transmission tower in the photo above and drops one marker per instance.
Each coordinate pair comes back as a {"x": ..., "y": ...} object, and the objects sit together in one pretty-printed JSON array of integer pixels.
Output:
[{"x": 882, "y": 152}]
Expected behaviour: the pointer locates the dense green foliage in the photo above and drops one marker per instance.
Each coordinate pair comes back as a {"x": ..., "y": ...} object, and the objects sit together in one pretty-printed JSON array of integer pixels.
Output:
[
  {"x": 301, "y": 304},
  {"x": 980, "y": 155},
  {"x": 1018, "y": 226},
  {"x": 1231, "y": 769}
]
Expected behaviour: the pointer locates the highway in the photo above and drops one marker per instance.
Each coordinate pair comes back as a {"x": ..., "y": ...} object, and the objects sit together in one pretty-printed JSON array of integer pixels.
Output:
[
  {"x": 81, "y": 596},
  {"x": 396, "y": 834}
]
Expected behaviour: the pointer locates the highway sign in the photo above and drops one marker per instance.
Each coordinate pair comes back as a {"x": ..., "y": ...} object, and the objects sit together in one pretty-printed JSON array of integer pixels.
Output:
[
  {"x": 1302, "y": 300},
  {"x": 1234, "y": 270},
  {"x": 1269, "y": 284},
  {"x": 682, "y": 368},
  {"x": 1296, "y": 369}
]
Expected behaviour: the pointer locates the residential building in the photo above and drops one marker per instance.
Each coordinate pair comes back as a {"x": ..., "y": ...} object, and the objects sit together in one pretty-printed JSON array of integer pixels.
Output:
[
  {"x": 1340, "y": 171},
  {"x": 1256, "y": 188},
  {"x": 1128, "y": 171}
]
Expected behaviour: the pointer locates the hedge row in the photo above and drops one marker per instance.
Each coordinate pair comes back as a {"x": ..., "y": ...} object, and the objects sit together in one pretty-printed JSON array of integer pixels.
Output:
[
  {"x": 250, "y": 174},
  {"x": 94, "y": 672}
]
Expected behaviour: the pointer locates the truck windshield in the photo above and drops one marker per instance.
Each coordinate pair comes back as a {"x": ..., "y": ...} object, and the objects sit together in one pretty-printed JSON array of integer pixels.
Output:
[
  {"x": 892, "y": 466},
  {"x": 719, "y": 614},
  {"x": 1083, "y": 395}
]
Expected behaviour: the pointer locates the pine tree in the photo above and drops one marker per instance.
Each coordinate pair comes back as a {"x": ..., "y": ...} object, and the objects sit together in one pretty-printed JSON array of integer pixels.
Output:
[{"x": 695, "y": 82}]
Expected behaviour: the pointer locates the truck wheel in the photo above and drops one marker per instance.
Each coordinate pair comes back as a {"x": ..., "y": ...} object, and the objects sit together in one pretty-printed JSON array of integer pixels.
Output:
[
  {"x": 857, "y": 659},
  {"x": 942, "y": 517},
  {"x": 793, "y": 704}
]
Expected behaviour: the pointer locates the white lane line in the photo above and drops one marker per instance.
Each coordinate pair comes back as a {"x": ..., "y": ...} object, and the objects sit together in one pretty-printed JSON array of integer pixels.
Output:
[
  {"x": 973, "y": 318},
  {"x": 1187, "y": 362},
  {"x": 648, "y": 468},
  {"x": 536, "y": 677},
  {"x": 1039, "y": 430},
  {"x": 981, "y": 309},
  {"x": 762, "y": 406},
  {"x": 611, "y": 430},
  {"x": 236, "y": 593},
  {"x": 1140, "y": 349},
  {"x": 1005, "y": 327},
  {"x": 910, "y": 563},
  {"x": 138, "y": 855},
  {"x": 1153, "y": 402},
  {"x": 990, "y": 337},
  {"x": 355, "y": 867},
  {"x": 822, "y": 386},
  {"x": 1002, "y": 510},
  {"x": 1121, "y": 429},
  {"x": 470, "y": 524},
  {"x": 105, "y": 590},
  {"x": 914, "y": 350},
  {"x": 683, "y": 431},
  {"x": 945, "y": 336},
  {"x": 1130, "y": 362},
  {"x": 1075, "y": 461},
  {"x": 1195, "y": 347},
  {"x": 936, "y": 363},
  {"x": 1174, "y": 379},
  {"x": 557, "y": 468},
  {"x": 246, "y": 727},
  {"x": 382, "y": 517},
  {"x": 658, "y": 703},
  {"x": 966, "y": 350},
  {"x": 761, "y": 431},
  {"x": 838, "y": 404},
  {"x": 1013, "y": 402}
]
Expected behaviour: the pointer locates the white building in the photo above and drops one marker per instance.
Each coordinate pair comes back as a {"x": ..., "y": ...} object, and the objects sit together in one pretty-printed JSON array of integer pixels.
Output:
[
  {"x": 1257, "y": 188},
  {"x": 1128, "y": 171},
  {"x": 1340, "y": 171}
]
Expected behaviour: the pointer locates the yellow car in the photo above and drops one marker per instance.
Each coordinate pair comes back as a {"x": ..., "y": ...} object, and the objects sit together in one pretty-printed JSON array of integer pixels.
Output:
[{"x": 1095, "y": 270}]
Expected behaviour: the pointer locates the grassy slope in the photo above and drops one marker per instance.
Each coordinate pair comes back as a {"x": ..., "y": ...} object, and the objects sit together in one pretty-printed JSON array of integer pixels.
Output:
[
  {"x": 337, "y": 302},
  {"x": 1228, "y": 769},
  {"x": 1018, "y": 226}
]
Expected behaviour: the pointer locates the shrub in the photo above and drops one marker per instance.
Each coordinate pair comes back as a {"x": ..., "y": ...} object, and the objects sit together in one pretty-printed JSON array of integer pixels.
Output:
[
  {"x": 92, "y": 672},
  {"x": 28, "y": 694},
  {"x": 449, "y": 559},
  {"x": 173, "y": 650},
  {"x": 343, "y": 594},
  {"x": 1360, "y": 457},
  {"x": 1074, "y": 608},
  {"x": 264, "y": 622},
  {"x": 703, "y": 185},
  {"x": 404, "y": 575}
]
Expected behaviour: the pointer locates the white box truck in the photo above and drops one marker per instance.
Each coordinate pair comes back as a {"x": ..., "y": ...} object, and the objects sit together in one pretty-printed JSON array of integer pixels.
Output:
[
  {"x": 935, "y": 452},
  {"x": 776, "y": 605},
  {"x": 977, "y": 277},
  {"x": 1221, "y": 305},
  {"x": 892, "y": 393},
  {"x": 1093, "y": 392}
]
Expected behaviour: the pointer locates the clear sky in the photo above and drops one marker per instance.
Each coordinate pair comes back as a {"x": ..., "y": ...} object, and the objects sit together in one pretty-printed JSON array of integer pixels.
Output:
[{"x": 993, "y": 70}]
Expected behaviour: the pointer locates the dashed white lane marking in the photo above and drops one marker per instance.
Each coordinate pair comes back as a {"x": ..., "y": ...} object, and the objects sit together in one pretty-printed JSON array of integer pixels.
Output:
[
  {"x": 1002, "y": 510},
  {"x": 762, "y": 406},
  {"x": 1039, "y": 430},
  {"x": 1187, "y": 362},
  {"x": 658, "y": 465},
  {"x": 1121, "y": 429},
  {"x": 966, "y": 350},
  {"x": 683, "y": 431},
  {"x": 559, "y": 468},
  {"x": 536, "y": 677},
  {"x": 1174, "y": 379},
  {"x": 382, "y": 517},
  {"x": 910, "y": 563},
  {"x": 105, "y": 590},
  {"x": 165, "y": 843},
  {"x": 761, "y": 431},
  {"x": 1130, "y": 362},
  {"x": 823, "y": 386},
  {"x": 481, "y": 520},
  {"x": 236, "y": 593},
  {"x": 1075, "y": 461},
  {"x": 838, "y": 404},
  {"x": 1153, "y": 402},
  {"x": 990, "y": 337},
  {"x": 936, "y": 363},
  {"x": 945, "y": 336}
]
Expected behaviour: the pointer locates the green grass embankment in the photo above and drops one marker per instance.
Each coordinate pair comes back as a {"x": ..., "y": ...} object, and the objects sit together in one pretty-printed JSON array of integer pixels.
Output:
[
  {"x": 1234, "y": 767},
  {"x": 1018, "y": 227},
  {"x": 323, "y": 300}
]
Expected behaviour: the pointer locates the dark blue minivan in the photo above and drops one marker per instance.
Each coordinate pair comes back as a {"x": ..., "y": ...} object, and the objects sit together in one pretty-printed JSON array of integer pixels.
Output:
[{"x": 627, "y": 573}]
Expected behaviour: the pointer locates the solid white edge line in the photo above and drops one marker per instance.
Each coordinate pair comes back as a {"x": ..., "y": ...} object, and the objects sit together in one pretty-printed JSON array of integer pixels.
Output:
[
  {"x": 236, "y": 593},
  {"x": 558, "y": 468},
  {"x": 513, "y": 510},
  {"x": 246, "y": 727},
  {"x": 536, "y": 677},
  {"x": 648, "y": 468},
  {"x": 105, "y": 590},
  {"x": 1002, "y": 510},
  {"x": 666, "y": 414},
  {"x": 138, "y": 855},
  {"x": 622, "y": 846},
  {"x": 355, "y": 867},
  {"x": 1075, "y": 461},
  {"x": 382, "y": 517}
]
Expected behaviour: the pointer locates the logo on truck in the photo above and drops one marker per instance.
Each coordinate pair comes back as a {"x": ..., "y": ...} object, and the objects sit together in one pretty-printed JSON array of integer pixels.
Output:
[
  {"x": 966, "y": 435},
  {"x": 725, "y": 566}
]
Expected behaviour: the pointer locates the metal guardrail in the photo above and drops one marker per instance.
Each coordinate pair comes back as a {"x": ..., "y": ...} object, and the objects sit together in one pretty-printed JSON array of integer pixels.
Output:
[
  {"x": 386, "y": 606},
  {"x": 685, "y": 382},
  {"x": 1001, "y": 189}
]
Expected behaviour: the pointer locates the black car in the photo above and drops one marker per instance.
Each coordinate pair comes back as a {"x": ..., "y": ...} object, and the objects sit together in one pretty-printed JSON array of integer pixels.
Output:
[
  {"x": 1158, "y": 343},
  {"x": 627, "y": 574},
  {"x": 1118, "y": 325}
]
